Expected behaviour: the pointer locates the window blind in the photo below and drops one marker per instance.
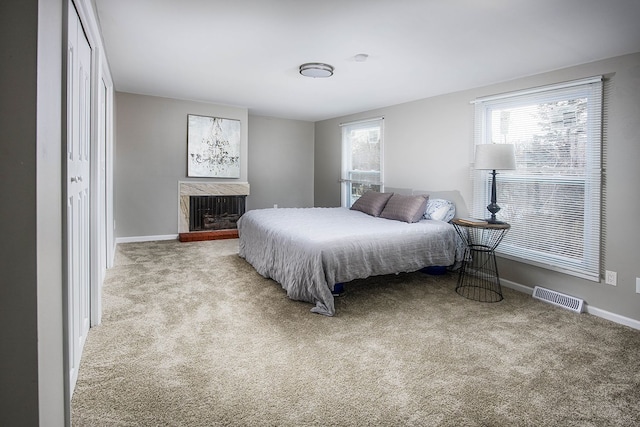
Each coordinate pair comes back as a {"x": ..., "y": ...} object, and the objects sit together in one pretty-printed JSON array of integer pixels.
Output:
[
  {"x": 553, "y": 198},
  {"x": 362, "y": 143}
]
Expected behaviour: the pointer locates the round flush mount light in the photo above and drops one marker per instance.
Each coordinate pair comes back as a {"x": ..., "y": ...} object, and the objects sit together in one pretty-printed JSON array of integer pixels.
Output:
[{"x": 316, "y": 69}]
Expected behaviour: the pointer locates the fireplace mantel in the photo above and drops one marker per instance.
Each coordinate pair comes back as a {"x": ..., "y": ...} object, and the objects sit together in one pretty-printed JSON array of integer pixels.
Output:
[{"x": 199, "y": 188}]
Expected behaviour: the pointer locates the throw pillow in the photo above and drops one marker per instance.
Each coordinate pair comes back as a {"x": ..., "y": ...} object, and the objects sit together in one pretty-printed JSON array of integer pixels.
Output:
[
  {"x": 405, "y": 208},
  {"x": 371, "y": 202},
  {"x": 440, "y": 210}
]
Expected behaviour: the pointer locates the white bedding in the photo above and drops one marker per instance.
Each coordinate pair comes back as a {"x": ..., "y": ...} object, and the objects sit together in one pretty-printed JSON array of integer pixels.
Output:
[{"x": 309, "y": 250}]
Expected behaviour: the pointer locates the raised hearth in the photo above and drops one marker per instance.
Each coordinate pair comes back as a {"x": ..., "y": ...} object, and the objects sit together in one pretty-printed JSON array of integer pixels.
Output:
[{"x": 199, "y": 236}]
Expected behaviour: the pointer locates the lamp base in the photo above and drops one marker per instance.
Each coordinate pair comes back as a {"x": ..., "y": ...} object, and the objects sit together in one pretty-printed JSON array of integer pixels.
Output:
[
  {"x": 493, "y": 207},
  {"x": 494, "y": 221}
]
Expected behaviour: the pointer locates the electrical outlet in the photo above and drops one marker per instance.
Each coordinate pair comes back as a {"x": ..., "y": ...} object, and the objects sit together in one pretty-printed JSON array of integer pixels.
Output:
[
  {"x": 637, "y": 285},
  {"x": 611, "y": 278},
  {"x": 275, "y": 206}
]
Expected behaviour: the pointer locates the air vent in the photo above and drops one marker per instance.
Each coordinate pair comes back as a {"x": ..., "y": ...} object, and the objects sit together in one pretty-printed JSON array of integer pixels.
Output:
[{"x": 556, "y": 298}]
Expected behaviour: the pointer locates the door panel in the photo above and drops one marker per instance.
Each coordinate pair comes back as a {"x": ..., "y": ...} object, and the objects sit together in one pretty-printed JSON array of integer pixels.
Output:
[{"x": 78, "y": 194}]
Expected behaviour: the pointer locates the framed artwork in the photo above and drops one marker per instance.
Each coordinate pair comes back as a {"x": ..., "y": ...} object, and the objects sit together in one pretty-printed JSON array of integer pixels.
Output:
[{"x": 213, "y": 147}]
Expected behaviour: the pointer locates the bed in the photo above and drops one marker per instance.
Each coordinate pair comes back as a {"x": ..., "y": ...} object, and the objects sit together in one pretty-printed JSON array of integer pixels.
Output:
[{"x": 310, "y": 250}]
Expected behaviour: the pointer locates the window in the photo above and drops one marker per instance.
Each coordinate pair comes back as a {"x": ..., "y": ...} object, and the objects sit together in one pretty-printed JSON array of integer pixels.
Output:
[
  {"x": 552, "y": 199},
  {"x": 361, "y": 159}
]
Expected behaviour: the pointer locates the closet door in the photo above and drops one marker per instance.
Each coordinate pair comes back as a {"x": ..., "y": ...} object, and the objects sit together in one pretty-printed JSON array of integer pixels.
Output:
[{"x": 78, "y": 196}]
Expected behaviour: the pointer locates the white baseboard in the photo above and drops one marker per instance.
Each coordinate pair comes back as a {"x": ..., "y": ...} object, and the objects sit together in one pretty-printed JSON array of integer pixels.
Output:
[
  {"x": 632, "y": 323},
  {"x": 595, "y": 311},
  {"x": 134, "y": 239},
  {"x": 516, "y": 286}
]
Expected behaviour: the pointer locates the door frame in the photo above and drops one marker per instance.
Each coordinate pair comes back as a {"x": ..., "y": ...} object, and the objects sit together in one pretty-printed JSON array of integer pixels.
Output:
[{"x": 102, "y": 251}]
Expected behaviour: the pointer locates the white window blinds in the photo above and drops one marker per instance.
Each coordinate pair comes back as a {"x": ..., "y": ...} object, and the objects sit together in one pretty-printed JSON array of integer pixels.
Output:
[
  {"x": 552, "y": 199},
  {"x": 361, "y": 158}
]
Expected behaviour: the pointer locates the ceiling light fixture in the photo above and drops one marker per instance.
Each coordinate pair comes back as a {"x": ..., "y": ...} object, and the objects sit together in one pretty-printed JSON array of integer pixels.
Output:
[
  {"x": 361, "y": 57},
  {"x": 316, "y": 69}
]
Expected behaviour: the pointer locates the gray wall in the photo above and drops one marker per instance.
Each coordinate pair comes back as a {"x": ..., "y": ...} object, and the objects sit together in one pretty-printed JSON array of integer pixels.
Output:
[
  {"x": 429, "y": 145},
  {"x": 280, "y": 163},
  {"x": 151, "y": 157},
  {"x": 31, "y": 384}
]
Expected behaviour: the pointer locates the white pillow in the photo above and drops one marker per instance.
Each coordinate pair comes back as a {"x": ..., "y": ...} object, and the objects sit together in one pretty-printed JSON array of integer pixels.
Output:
[{"x": 440, "y": 210}]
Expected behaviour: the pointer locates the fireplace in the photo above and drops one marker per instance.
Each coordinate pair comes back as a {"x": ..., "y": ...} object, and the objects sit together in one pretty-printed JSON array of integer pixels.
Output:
[
  {"x": 217, "y": 221},
  {"x": 215, "y": 212}
]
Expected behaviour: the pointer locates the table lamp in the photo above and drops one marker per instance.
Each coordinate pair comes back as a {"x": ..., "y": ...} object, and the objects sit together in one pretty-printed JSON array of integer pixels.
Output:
[{"x": 495, "y": 157}]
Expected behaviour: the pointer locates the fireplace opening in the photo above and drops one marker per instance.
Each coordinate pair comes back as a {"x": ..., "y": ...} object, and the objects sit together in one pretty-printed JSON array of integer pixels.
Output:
[{"x": 215, "y": 212}]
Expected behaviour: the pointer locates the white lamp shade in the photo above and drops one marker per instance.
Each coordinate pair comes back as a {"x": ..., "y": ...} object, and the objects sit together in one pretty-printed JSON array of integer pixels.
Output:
[{"x": 495, "y": 156}]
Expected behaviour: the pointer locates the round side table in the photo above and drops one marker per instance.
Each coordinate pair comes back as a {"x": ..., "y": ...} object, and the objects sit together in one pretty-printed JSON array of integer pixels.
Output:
[{"x": 478, "y": 278}]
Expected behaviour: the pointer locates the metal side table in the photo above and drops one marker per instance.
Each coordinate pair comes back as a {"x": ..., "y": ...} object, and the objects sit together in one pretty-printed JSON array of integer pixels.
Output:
[{"x": 478, "y": 278}]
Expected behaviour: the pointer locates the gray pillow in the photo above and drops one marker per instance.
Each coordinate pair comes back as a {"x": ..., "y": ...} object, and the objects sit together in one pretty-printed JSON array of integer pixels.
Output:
[
  {"x": 405, "y": 208},
  {"x": 371, "y": 202}
]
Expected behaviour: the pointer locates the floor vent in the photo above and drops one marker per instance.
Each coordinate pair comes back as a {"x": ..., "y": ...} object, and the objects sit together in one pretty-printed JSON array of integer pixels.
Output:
[{"x": 556, "y": 298}]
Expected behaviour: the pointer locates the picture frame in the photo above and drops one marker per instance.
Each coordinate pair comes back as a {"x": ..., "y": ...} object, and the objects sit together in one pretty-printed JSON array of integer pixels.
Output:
[{"x": 213, "y": 147}]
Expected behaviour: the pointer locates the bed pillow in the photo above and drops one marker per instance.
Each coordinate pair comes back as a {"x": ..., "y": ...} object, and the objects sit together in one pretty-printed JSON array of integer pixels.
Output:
[
  {"x": 440, "y": 210},
  {"x": 372, "y": 202},
  {"x": 405, "y": 208}
]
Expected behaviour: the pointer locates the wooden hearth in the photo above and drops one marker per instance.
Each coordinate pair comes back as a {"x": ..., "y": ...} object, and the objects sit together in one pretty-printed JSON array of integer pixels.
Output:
[{"x": 198, "y": 236}]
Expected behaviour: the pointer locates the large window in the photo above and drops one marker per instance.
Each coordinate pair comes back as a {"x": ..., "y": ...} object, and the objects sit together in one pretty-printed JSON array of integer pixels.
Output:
[
  {"x": 552, "y": 199},
  {"x": 361, "y": 159}
]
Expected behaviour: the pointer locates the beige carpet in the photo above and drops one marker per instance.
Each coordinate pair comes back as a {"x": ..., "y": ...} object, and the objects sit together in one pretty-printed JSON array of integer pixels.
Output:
[{"x": 193, "y": 336}]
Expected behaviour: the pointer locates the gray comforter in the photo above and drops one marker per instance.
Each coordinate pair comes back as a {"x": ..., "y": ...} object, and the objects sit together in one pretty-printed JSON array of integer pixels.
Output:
[{"x": 309, "y": 250}]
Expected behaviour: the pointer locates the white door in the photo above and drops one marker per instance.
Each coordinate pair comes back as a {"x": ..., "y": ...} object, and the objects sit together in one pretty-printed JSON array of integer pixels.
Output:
[
  {"x": 78, "y": 195},
  {"x": 99, "y": 205}
]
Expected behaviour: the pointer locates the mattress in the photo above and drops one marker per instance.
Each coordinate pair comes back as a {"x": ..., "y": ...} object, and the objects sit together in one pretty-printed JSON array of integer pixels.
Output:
[{"x": 309, "y": 250}]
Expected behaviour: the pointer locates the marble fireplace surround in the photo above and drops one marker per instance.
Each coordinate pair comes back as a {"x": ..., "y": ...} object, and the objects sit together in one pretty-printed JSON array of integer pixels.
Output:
[{"x": 195, "y": 188}]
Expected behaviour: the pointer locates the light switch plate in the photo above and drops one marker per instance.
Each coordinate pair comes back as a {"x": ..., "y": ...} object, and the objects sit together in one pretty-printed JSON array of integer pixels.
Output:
[{"x": 611, "y": 278}]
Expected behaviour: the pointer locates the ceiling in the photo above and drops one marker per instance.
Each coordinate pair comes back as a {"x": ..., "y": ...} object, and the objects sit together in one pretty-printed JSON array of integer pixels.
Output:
[{"x": 247, "y": 52}]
